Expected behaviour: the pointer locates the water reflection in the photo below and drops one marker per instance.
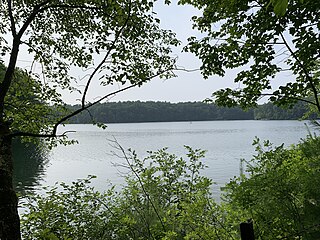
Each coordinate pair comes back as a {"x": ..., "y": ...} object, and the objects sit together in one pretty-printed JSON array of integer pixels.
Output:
[{"x": 30, "y": 163}]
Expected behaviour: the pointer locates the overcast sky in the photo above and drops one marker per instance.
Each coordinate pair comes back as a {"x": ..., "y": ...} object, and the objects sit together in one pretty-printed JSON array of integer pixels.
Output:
[{"x": 188, "y": 86}]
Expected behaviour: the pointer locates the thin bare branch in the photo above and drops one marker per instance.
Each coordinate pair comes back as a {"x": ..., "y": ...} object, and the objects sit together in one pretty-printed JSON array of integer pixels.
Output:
[
  {"x": 309, "y": 78},
  {"x": 103, "y": 98},
  {"x": 187, "y": 70},
  {"x": 294, "y": 98},
  {"x": 118, "y": 34},
  {"x": 70, "y": 6},
  {"x": 89, "y": 105},
  {"x": 244, "y": 42},
  {"x": 39, "y": 135},
  {"x": 140, "y": 182}
]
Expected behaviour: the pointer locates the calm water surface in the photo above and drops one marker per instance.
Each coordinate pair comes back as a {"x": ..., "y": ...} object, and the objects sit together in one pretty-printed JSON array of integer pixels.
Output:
[{"x": 226, "y": 143}]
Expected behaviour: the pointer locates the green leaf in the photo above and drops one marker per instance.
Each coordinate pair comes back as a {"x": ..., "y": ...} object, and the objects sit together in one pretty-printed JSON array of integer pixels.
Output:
[
  {"x": 248, "y": 41},
  {"x": 280, "y": 7}
]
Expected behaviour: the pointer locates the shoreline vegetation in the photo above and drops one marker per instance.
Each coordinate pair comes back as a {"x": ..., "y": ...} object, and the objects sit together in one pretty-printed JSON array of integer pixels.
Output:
[
  {"x": 137, "y": 111},
  {"x": 166, "y": 197}
]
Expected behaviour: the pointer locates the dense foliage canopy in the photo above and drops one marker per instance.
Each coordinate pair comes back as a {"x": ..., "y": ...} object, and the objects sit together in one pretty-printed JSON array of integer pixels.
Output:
[
  {"x": 269, "y": 111},
  {"x": 26, "y": 101},
  {"x": 113, "y": 41},
  {"x": 266, "y": 48},
  {"x": 281, "y": 192},
  {"x": 117, "y": 112}
]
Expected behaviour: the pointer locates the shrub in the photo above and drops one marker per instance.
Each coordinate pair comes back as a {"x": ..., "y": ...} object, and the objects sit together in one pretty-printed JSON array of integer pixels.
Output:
[
  {"x": 165, "y": 197},
  {"x": 281, "y": 193}
]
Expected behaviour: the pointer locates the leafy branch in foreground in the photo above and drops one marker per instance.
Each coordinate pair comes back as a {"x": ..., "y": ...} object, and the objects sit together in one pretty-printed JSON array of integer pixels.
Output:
[{"x": 260, "y": 39}]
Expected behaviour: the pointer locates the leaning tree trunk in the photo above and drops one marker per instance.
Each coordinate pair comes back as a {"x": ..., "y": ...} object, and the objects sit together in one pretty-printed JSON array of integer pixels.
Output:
[{"x": 9, "y": 217}]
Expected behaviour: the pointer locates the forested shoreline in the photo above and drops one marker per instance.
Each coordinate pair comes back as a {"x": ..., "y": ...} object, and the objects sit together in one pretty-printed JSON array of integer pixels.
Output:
[{"x": 137, "y": 111}]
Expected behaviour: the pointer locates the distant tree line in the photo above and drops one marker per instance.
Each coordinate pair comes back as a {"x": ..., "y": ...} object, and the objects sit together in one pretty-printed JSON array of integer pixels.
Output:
[
  {"x": 136, "y": 111},
  {"x": 273, "y": 112}
]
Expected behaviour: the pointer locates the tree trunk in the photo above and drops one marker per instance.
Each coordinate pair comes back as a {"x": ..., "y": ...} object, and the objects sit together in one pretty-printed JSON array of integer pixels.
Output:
[{"x": 9, "y": 217}]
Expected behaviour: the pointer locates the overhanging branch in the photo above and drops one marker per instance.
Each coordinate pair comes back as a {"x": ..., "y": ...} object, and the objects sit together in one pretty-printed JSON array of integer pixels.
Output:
[
  {"x": 62, "y": 120},
  {"x": 118, "y": 34},
  {"x": 81, "y": 109},
  {"x": 294, "y": 98},
  {"x": 309, "y": 79},
  {"x": 39, "y": 135}
]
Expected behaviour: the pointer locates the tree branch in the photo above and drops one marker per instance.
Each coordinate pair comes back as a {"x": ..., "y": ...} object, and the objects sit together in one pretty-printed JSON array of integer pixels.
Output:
[
  {"x": 106, "y": 96},
  {"x": 36, "y": 9},
  {"x": 313, "y": 87},
  {"x": 39, "y": 135},
  {"x": 187, "y": 70},
  {"x": 244, "y": 42},
  {"x": 70, "y": 6},
  {"x": 83, "y": 108},
  {"x": 12, "y": 22},
  {"x": 89, "y": 105},
  {"x": 294, "y": 98},
  {"x": 106, "y": 56},
  {"x": 140, "y": 182}
]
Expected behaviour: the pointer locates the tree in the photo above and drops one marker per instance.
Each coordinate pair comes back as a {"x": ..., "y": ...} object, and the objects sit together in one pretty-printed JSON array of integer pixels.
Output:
[
  {"x": 115, "y": 112},
  {"x": 113, "y": 41},
  {"x": 261, "y": 39}
]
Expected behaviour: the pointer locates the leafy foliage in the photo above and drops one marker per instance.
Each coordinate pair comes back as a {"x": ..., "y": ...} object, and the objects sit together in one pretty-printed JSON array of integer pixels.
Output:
[
  {"x": 279, "y": 6},
  {"x": 164, "y": 197},
  {"x": 281, "y": 193},
  {"x": 75, "y": 213},
  {"x": 260, "y": 44},
  {"x": 113, "y": 41},
  {"x": 27, "y": 99}
]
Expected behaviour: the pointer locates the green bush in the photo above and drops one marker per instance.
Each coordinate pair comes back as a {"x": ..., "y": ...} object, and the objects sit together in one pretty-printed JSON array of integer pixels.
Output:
[
  {"x": 281, "y": 193},
  {"x": 165, "y": 197},
  {"x": 73, "y": 211}
]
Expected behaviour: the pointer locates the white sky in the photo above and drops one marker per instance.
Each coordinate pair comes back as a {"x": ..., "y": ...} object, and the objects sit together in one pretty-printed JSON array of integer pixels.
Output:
[{"x": 188, "y": 86}]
